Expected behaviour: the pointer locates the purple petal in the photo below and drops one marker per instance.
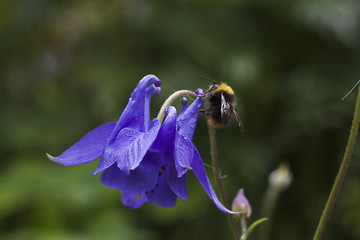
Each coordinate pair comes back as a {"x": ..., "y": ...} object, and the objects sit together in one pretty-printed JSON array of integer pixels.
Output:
[
  {"x": 162, "y": 195},
  {"x": 142, "y": 179},
  {"x": 129, "y": 148},
  {"x": 149, "y": 91},
  {"x": 183, "y": 154},
  {"x": 136, "y": 113},
  {"x": 199, "y": 170},
  {"x": 187, "y": 119},
  {"x": 177, "y": 184},
  {"x": 105, "y": 162},
  {"x": 137, "y": 110},
  {"x": 90, "y": 147},
  {"x": 167, "y": 131},
  {"x": 132, "y": 200}
]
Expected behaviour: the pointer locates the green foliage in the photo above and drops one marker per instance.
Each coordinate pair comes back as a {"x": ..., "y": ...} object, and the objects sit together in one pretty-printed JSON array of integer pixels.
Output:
[
  {"x": 68, "y": 66},
  {"x": 253, "y": 226}
]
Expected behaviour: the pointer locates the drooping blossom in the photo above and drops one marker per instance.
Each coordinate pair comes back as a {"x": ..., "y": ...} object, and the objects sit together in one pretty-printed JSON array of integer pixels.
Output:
[{"x": 147, "y": 162}]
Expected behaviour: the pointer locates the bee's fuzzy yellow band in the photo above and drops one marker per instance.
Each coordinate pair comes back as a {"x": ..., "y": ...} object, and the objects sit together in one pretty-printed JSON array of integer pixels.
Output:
[{"x": 225, "y": 88}]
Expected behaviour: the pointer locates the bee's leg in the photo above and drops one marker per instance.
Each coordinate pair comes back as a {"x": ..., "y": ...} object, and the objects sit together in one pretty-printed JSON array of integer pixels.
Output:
[
  {"x": 203, "y": 111},
  {"x": 239, "y": 120}
]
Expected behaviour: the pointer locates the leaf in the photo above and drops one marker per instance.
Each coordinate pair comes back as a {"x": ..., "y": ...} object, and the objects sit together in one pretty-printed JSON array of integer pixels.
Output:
[{"x": 252, "y": 227}]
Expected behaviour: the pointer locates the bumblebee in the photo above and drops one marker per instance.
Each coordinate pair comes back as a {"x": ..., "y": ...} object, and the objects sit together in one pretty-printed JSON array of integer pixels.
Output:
[{"x": 221, "y": 105}]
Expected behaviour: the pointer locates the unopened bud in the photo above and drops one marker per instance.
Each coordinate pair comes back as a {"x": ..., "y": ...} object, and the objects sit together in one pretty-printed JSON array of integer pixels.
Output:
[
  {"x": 241, "y": 204},
  {"x": 280, "y": 177}
]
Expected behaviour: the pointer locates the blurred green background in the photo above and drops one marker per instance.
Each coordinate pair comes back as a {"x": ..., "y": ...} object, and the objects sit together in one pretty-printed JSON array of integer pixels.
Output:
[{"x": 69, "y": 66}]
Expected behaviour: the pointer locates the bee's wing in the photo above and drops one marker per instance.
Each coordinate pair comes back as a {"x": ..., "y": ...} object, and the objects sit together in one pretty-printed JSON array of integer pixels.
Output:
[
  {"x": 225, "y": 107},
  {"x": 238, "y": 119}
]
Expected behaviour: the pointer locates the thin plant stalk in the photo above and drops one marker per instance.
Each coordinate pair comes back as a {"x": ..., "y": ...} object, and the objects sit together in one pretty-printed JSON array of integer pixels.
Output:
[
  {"x": 215, "y": 165},
  {"x": 269, "y": 202},
  {"x": 342, "y": 171},
  {"x": 243, "y": 227},
  {"x": 171, "y": 99}
]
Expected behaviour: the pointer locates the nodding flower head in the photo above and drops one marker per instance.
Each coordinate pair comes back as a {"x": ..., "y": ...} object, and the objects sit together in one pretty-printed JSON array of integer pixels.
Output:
[{"x": 147, "y": 160}]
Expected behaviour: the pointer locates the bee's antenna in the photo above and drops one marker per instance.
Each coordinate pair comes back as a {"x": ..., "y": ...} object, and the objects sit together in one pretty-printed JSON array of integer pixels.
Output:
[{"x": 214, "y": 82}]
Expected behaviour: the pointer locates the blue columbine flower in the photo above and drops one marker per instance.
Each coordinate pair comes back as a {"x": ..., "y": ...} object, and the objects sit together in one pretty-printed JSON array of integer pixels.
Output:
[
  {"x": 146, "y": 161},
  {"x": 177, "y": 154},
  {"x": 123, "y": 145}
]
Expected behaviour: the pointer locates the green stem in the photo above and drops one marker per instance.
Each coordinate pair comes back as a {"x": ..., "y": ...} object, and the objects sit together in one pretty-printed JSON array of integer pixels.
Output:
[
  {"x": 215, "y": 164},
  {"x": 171, "y": 99},
  {"x": 243, "y": 227},
  {"x": 269, "y": 201},
  {"x": 342, "y": 171}
]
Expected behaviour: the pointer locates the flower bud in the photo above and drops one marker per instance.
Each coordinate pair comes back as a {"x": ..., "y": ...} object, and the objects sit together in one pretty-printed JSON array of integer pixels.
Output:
[
  {"x": 241, "y": 204},
  {"x": 280, "y": 177}
]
